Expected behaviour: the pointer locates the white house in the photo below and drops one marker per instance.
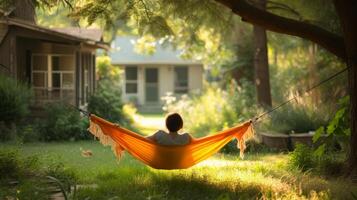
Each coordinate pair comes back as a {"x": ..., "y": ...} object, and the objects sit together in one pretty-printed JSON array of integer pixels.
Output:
[{"x": 149, "y": 77}]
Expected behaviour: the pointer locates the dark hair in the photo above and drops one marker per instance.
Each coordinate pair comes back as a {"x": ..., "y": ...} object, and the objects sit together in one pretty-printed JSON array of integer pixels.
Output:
[{"x": 174, "y": 122}]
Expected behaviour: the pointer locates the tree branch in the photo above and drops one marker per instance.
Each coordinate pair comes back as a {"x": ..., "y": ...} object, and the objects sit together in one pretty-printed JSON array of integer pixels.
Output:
[{"x": 330, "y": 41}]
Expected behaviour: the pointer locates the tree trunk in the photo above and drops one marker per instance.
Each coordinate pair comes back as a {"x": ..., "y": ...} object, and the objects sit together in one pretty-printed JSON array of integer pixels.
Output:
[
  {"x": 313, "y": 78},
  {"x": 346, "y": 10},
  {"x": 261, "y": 66}
]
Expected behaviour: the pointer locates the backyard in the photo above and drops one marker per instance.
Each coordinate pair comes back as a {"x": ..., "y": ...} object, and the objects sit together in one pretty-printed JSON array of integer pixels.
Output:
[
  {"x": 102, "y": 176},
  {"x": 166, "y": 99}
]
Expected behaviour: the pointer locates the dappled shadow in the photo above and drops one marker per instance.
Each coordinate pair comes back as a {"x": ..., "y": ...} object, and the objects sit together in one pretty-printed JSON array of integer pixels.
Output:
[
  {"x": 153, "y": 186},
  {"x": 193, "y": 187}
]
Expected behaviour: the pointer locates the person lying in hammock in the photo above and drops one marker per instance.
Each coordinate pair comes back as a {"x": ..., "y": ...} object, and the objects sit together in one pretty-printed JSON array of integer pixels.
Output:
[{"x": 174, "y": 123}]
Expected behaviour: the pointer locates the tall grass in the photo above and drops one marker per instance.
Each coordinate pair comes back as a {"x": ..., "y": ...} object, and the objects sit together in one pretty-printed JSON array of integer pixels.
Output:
[{"x": 299, "y": 116}]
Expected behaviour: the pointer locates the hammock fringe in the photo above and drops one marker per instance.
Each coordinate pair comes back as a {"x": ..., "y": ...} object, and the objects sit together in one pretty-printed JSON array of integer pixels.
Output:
[
  {"x": 105, "y": 140},
  {"x": 249, "y": 134}
]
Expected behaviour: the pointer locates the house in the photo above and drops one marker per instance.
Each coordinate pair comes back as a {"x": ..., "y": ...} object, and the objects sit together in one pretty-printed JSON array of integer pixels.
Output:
[
  {"x": 147, "y": 78},
  {"x": 59, "y": 64}
]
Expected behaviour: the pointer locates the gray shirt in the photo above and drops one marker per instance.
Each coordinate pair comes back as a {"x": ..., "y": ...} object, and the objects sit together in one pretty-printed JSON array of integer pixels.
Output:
[{"x": 163, "y": 138}]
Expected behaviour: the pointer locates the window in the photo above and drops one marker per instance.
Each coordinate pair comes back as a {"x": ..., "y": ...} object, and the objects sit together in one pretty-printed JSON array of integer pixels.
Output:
[
  {"x": 53, "y": 77},
  {"x": 131, "y": 80},
  {"x": 181, "y": 79}
]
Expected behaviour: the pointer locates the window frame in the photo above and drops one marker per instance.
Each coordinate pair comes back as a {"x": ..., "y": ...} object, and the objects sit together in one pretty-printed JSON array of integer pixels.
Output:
[
  {"x": 131, "y": 81},
  {"x": 178, "y": 89}
]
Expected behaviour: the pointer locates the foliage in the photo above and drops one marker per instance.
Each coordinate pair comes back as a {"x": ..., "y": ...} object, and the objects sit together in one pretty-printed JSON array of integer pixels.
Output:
[
  {"x": 306, "y": 159},
  {"x": 322, "y": 158},
  {"x": 64, "y": 177},
  {"x": 15, "y": 99},
  {"x": 199, "y": 34},
  {"x": 302, "y": 157},
  {"x": 27, "y": 176},
  {"x": 106, "y": 71},
  {"x": 242, "y": 99},
  {"x": 29, "y": 132},
  {"x": 259, "y": 175},
  {"x": 296, "y": 117},
  {"x": 205, "y": 113},
  {"x": 13, "y": 165},
  {"x": 337, "y": 131},
  {"x": 9, "y": 164},
  {"x": 214, "y": 109},
  {"x": 62, "y": 122},
  {"x": 106, "y": 102},
  {"x": 6, "y": 4},
  {"x": 7, "y": 133}
]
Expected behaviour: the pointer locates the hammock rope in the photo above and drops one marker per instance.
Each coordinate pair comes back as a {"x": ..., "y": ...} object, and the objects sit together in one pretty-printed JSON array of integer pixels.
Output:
[{"x": 307, "y": 91}]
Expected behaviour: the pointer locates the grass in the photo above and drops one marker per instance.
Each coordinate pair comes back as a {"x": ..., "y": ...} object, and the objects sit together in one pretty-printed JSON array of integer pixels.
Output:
[
  {"x": 259, "y": 176},
  {"x": 222, "y": 177}
]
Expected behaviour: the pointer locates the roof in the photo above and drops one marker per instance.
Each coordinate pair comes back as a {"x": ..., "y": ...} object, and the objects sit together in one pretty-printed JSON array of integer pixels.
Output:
[
  {"x": 88, "y": 36},
  {"x": 122, "y": 53},
  {"x": 92, "y": 34}
]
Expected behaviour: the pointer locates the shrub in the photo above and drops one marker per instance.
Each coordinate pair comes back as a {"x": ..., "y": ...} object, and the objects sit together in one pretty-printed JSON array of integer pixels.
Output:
[
  {"x": 13, "y": 165},
  {"x": 66, "y": 176},
  {"x": 337, "y": 131},
  {"x": 15, "y": 99},
  {"x": 9, "y": 164},
  {"x": 7, "y": 132},
  {"x": 297, "y": 117},
  {"x": 203, "y": 114},
  {"x": 305, "y": 158},
  {"x": 29, "y": 132},
  {"x": 62, "y": 123},
  {"x": 106, "y": 102},
  {"x": 302, "y": 157},
  {"x": 33, "y": 182}
]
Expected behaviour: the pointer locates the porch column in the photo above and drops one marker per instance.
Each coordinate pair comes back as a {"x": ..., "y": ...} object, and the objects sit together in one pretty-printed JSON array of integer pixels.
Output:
[{"x": 77, "y": 75}]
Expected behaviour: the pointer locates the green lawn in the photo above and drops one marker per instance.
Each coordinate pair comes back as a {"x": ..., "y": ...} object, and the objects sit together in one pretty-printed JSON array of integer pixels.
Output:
[{"x": 259, "y": 176}]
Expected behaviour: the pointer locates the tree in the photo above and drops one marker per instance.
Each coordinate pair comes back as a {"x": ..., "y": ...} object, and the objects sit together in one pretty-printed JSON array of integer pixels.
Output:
[
  {"x": 261, "y": 66},
  {"x": 345, "y": 46}
]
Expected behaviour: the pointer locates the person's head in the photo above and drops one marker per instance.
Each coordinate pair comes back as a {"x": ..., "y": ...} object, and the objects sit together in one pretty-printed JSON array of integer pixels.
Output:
[{"x": 174, "y": 122}]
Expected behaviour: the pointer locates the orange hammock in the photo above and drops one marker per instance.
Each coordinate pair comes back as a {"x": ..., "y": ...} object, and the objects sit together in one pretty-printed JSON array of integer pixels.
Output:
[{"x": 166, "y": 157}]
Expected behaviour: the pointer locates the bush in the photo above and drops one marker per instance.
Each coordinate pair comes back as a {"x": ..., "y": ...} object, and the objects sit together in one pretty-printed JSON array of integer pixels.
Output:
[
  {"x": 9, "y": 164},
  {"x": 32, "y": 180},
  {"x": 14, "y": 166},
  {"x": 302, "y": 157},
  {"x": 29, "y": 132},
  {"x": 15, "y": 99},
  {"x": 66, "y": 176},
  {"x": 305, "y": 158},
  {"x": 296, "y": 117},
  {"x": 62, "y": 123},
  {"x": 203, "y": 114},
  {"x": 107, "y": 102},
  {"x": 338, "y": 130}
]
